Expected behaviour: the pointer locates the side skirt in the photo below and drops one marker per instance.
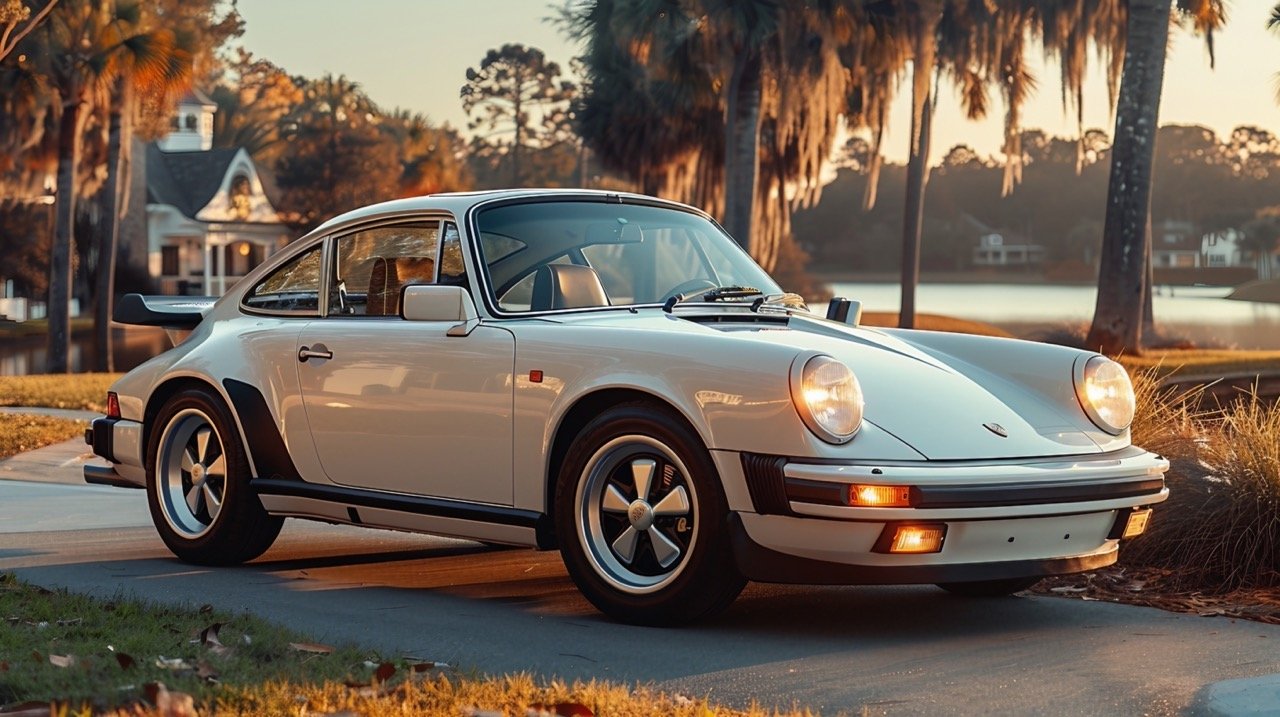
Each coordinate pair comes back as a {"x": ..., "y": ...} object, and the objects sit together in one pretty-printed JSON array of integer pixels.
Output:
[{"x": 416, "y": 514}]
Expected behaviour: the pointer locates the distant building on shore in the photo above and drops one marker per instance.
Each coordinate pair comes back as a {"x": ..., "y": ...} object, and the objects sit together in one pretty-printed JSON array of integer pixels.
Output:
[{"x": 1005, "y": 249}]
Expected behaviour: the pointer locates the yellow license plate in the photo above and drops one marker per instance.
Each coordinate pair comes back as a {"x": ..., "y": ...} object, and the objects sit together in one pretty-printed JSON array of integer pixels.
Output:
[{"x": 1137, "y": 523}]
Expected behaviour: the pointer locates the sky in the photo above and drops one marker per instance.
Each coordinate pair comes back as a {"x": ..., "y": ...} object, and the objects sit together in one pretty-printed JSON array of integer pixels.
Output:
[{"x": 414, "y": 54}]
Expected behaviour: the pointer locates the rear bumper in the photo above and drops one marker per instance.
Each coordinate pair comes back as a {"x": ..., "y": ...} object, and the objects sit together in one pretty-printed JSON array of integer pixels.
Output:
[{"x": 120, "y": 442}]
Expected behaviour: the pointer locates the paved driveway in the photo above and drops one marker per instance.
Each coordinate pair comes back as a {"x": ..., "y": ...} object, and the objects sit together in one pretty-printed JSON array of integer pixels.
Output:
[{"x": 900, "y": 650}]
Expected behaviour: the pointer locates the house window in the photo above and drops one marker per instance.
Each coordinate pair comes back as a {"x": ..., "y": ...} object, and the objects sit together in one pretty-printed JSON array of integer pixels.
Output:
[
  {"x": 170, "y": 261},
  {"x": 240, "y": 197}
]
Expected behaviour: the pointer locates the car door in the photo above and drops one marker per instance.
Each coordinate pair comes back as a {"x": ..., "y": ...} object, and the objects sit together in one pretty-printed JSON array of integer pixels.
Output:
[{"x": 396, "y": 405}]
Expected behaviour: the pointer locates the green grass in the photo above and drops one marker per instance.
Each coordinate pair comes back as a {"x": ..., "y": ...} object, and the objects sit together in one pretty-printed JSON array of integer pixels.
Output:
[
  {"x": 23, "y": 432},
  {"x": 91, "y": 655},
  {"x": 86, "y": 391}
]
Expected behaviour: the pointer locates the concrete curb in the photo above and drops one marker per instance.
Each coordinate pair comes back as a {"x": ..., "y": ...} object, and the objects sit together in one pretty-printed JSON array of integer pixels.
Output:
[
  {"x": 1251, "y": 696},
  {"x": 55, "y": 412}
]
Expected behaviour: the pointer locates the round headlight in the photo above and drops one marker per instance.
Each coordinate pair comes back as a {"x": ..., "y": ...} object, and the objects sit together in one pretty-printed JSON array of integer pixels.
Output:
[
  {"x": 828, "y": 399},
  {"x": 1106, "y": 393}
]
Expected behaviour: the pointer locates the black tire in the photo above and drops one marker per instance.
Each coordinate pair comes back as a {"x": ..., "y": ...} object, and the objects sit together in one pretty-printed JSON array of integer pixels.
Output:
[
  {"x": 684, "y": 509},
  {"x": 990, "y": 588},
  {"x": 205, "y": 514}
]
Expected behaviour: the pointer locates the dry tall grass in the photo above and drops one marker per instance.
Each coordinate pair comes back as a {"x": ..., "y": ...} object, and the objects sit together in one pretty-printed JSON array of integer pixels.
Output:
[{"x": 1220, "y": 528}]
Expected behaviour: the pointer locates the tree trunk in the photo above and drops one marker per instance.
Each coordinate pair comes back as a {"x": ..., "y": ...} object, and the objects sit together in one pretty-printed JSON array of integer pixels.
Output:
[
  {"x": 925, "y": 49},
  {"x": 59, "y": 309},
  {"x": 1148, "y": 308},
  {"x": 1122, "y": 276},
  {"x": 109, "y": 239},
  {"x": 742, "y": 151}
]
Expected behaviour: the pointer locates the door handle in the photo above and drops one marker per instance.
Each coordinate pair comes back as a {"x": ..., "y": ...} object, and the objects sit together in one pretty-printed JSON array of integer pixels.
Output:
[{"x": 319, "y": 352}]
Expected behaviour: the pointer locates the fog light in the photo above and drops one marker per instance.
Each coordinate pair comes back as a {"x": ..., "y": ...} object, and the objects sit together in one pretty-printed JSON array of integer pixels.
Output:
[
  {"x": 918, "y": 539},
  {"x": 880, "y": 496},
  {"x": 113, "y": 405}
]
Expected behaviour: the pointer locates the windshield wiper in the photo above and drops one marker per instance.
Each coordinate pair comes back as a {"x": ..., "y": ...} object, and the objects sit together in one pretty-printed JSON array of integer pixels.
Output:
[
  {"x": 785, "y": 301},
  {"x": 716, "y": 294}
]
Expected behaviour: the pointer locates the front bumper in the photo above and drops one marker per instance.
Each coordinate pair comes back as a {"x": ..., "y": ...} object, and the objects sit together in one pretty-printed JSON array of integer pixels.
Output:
[
  {"x": 120, "y": 442},
  {"x": 1002, "y": 519}
]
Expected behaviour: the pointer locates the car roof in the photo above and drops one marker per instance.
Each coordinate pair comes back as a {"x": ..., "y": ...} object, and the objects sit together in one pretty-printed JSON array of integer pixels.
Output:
[{"x": 459, "y": 202}]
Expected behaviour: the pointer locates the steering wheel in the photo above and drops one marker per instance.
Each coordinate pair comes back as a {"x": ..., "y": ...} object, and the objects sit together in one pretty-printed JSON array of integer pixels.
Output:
[{"x": 691, "y": 286}]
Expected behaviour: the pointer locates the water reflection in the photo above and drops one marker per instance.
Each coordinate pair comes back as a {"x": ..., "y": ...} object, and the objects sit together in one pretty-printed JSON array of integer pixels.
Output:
[
  {"x": 1203, "y": 314},
  {"x": 132, "y": 345}
]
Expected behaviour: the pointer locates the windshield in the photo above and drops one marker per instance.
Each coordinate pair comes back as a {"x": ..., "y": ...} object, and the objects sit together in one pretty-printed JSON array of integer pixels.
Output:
[{"x": 549, "y": 254}]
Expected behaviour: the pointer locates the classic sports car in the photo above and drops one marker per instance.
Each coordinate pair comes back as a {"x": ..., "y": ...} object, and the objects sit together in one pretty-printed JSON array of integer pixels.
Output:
[{"x": 610, "y": 375}]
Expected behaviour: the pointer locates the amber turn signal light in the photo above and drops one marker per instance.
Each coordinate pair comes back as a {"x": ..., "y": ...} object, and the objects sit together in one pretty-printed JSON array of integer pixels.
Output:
[
  {"x": 880, "y": 496},
  {"x": 918, "y": 539}
]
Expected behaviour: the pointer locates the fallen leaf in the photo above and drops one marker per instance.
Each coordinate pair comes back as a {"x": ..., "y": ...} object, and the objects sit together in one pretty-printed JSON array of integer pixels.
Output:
[
  {"x": 62, "y": 660},
  {"x": 384, "y": 672},
  {"x": 176, "y": 663},
  {"x": 427, "y": 666},
  {"x": 312, "y": 647},
  {"x": 169, "y": 704},
  {"x": 209, "y": 635},
  {"x": 4, "y": 665},
  {"x": 206, "y": 609},
  {"x": 70, "y": 622},
  {"x": 35, "y": 655},
  {"x": 126, "y": 661},
  {"x": 1067, "y": 589}
]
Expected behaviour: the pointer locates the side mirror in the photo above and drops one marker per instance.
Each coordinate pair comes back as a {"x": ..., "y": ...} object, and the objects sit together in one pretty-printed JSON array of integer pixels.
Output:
[{"x": 431, "y": 302}]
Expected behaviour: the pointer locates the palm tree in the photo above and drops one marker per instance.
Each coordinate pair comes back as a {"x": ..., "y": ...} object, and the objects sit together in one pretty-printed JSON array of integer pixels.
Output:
[
  {"x": 723, "y": 104},
  {"x": 1273, "y": 24},
  {"x": 150, "y": 63},
  {"x": 1124, "y": 275}
]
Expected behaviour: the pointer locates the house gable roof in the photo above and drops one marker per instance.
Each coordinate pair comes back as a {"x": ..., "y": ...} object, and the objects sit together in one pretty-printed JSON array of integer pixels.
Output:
[{"x": 186, "y": 180}]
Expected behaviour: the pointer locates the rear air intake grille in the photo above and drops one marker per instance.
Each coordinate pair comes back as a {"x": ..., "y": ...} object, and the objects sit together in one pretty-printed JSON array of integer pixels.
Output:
[{"x": 765, "y": 483}]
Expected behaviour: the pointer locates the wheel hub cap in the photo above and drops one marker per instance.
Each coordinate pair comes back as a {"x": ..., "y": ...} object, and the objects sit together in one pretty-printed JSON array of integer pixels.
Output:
[{"x": 640, "y": 514}]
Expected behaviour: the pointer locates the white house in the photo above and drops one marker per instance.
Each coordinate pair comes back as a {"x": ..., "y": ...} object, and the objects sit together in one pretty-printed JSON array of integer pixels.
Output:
[
  {"x": 1175, "y": 245},
  {"x": 993, "y": 251},
  {"x": 208, "y": 219}
]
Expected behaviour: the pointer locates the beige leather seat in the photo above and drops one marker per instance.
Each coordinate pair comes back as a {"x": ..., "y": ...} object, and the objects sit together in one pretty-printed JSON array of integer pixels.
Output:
[
  {"x": 389, "y": 276},
  {"x": 567, "y": 286}
]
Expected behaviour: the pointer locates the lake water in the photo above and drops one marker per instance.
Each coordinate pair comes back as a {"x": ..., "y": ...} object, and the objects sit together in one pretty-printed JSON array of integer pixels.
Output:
[
  {"x": 133, "y": 345},
  {"x": 1202, "y": 314}
]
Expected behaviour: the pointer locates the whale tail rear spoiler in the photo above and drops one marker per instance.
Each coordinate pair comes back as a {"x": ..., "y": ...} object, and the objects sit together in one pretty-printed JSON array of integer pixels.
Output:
[{"x": 173, "y": 313}]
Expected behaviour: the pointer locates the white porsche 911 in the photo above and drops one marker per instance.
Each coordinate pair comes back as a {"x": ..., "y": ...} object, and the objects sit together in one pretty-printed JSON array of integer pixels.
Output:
[{"x": 611, "y": 375}]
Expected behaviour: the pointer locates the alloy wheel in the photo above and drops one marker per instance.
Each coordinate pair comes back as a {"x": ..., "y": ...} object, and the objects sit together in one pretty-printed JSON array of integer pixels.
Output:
[
  {"x": 638, "y": 513},
  {"x": 191, "y": 473}
]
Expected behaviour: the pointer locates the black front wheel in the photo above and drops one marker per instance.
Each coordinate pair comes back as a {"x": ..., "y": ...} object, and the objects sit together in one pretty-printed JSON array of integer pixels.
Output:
[
  {"x": 640, "y": 515},
  {"x": 198, "y": 485}
]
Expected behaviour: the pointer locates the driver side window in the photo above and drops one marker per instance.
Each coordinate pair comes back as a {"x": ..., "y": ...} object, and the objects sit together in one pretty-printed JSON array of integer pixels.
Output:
[{"x": 372, "y": 266}]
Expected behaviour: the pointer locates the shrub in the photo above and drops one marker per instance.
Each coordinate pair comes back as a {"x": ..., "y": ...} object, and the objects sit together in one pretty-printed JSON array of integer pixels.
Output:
[{"x": 1220, "y": 528}]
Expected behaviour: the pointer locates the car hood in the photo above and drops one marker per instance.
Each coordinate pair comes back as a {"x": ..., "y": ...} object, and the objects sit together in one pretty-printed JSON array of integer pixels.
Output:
[{"x": 944, "y": 409}]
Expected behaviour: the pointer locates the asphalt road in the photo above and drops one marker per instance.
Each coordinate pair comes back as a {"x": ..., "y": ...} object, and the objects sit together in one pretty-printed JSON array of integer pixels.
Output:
[{"x": 901, "y": 650}]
